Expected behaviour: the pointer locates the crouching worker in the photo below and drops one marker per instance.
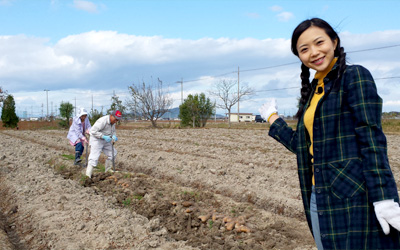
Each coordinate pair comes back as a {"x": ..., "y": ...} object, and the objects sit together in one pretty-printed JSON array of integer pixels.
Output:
[
  {"x": 102, "y": 134},
  {"x": 77, "y": 134}
]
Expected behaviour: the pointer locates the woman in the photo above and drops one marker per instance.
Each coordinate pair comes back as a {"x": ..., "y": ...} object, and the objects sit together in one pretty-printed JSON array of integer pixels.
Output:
[
  {"x": 77, "y": 134},
  {"x": 349, "y": 193}
]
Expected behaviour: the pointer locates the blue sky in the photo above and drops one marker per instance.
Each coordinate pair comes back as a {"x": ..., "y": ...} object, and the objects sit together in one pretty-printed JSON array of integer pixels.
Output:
[{"x": 84, "y": 49}]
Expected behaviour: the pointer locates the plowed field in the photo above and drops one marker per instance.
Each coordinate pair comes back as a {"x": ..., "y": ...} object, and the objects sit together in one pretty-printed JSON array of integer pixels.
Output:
[{"x": 175, "y": 189}]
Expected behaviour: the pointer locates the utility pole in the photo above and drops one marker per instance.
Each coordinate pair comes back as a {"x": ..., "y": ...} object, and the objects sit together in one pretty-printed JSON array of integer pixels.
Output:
[
  {"x": 92, "y": 104},
  {"x": 181, "y": 91},
  {"x": 47, "y": 98},
  {"x": 238, "y": 96},
  {"x": 181, "y": 81},
  {"x": 215, "y": 109}
]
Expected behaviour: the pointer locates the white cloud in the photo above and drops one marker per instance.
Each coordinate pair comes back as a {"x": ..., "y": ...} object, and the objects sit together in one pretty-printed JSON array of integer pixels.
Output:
[
  {"x": 85, "y": 6},
  {"x": 99, "y": 62},
  {"x": 6, "y": 2},
  {"x": 253, "y": 15},
  {"x": 276, "y": 8},
  {"x": 285, "y": 16}
]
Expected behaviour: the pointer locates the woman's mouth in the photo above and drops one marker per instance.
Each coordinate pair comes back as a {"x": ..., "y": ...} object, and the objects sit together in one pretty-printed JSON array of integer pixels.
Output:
[{"x": 319, "y": 61}]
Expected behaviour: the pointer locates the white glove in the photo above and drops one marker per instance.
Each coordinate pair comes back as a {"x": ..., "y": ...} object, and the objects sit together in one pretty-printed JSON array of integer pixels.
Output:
[
  {"x": 268, "y": 108},
  {"x": 387, "y": 212}
]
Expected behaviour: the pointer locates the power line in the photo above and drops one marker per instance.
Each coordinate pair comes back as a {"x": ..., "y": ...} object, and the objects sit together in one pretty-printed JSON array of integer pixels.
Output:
[
  {"x": 390, "y": 77},
  {"x": 383, "y": 47},
  {"x": 268, "y": 90},
  {"x": 291, "y": 63}
]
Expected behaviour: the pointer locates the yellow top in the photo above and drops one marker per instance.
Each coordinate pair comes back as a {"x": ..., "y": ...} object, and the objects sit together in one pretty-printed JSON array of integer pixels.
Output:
[{"x": 310, "y": 112}]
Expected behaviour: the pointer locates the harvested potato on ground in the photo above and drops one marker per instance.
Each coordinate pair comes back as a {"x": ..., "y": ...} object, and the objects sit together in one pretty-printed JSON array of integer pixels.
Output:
[
  {"x": 227, "y": 219},
  {"x": 240, "y": 220},
  {"x": 244, "y": 229},
  {"x": 187, "y": 203},
  {"x": 229, "y": 226},
  {"x": 204, "y": 218}
]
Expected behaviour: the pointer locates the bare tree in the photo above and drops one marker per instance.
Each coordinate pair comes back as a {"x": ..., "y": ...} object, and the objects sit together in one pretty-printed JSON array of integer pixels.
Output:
[
  {"x": 3, "y": 95},
  {"x": 226, "y": 91},
  {"x": 150, "y": 100}
]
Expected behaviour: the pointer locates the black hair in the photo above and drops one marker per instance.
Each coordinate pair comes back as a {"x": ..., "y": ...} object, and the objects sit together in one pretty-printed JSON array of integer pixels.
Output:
[{"x": 306, "y": 88}]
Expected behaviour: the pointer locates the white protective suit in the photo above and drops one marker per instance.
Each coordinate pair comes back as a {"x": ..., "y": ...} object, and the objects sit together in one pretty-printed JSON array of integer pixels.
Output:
[{"x": 97, "y": 144}]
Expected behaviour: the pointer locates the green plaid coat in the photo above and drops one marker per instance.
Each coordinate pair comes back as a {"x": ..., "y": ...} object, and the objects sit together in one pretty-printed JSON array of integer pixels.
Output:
[{"x": 351, "y": 166}]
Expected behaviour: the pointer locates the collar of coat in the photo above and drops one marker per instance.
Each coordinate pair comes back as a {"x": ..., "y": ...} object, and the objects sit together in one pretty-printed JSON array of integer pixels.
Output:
[{"x": 329, "y": 80}]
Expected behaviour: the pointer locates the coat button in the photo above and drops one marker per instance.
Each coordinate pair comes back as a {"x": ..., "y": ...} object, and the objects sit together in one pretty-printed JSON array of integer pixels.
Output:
[
  {"x": 316, "y": 149},
  {"x": 318, "y": 190},
  {"x": 321, "y": 213},
  {"x": 317, "y": 170},
  {"x": 323, "y": 235}
]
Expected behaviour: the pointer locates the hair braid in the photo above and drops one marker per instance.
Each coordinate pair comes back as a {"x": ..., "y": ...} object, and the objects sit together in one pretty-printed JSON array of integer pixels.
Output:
[
  {"x": 305, "y": 90},
  {"x": 342, "y": 62}
]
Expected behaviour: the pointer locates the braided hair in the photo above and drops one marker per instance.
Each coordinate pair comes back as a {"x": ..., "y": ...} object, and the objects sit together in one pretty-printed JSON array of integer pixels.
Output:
[{"x": 306, "y": 87}]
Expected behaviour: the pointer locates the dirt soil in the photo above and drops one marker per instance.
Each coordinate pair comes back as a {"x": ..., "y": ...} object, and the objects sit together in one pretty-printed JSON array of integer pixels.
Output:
[{"x": 174, "y": 189}]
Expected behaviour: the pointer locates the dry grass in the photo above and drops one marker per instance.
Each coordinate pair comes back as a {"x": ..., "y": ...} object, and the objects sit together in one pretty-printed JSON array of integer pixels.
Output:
[{"x": 391, "y": 126}]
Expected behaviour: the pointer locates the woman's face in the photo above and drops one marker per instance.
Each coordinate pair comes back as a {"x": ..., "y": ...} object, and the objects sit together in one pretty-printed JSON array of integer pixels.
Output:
[
  {"x": 83, "y": 117},
  {"x": 316, "y": 49}
]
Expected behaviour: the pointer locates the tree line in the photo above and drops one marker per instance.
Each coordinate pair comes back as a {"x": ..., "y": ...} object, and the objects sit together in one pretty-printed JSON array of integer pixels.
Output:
[{"x": 149, "y": 101}]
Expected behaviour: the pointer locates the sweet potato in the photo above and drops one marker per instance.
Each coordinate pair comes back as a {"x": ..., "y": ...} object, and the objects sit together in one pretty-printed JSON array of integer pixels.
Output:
[
  {"x": 229, "y": 226},
  {"x": 204, "y": 218}
]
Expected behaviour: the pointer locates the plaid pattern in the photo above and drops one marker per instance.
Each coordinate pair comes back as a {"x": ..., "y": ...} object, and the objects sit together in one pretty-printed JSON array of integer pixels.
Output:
[{"x": 351, "y": 167}]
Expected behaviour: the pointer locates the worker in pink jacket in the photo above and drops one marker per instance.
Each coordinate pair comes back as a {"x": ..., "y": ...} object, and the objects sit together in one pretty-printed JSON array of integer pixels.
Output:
[{"x": 77, "y": 134}]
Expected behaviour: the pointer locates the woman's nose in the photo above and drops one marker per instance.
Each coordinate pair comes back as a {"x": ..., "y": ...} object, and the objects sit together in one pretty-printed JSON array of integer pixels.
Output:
[{"x": 313, "y": 51}]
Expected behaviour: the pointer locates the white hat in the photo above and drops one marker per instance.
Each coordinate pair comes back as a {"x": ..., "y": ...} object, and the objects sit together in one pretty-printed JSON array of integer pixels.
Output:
[{"x": 82, "y": 111}]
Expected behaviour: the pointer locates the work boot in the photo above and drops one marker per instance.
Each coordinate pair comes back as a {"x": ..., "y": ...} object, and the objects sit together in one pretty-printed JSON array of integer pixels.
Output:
[
  {"x": 89, "y": 171},
  {"x": 108, "y": 166},
  {"x": 77, "y": 158}
]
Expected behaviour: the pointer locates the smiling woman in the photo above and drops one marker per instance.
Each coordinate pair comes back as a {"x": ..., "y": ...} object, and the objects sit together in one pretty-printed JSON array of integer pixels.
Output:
[{"x": 349, "y": 194}]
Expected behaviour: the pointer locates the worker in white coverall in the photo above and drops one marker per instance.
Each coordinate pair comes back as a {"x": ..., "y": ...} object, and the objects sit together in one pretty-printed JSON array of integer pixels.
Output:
[{"x": 102, "y": 135}]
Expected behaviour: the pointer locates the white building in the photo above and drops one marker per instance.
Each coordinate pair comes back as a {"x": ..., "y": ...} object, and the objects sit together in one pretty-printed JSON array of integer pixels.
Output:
[{"x": 243, "y": 117}]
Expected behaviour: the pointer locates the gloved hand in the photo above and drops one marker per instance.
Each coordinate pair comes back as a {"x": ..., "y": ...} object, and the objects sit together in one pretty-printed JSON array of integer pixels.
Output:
[
  {"x": 115, "y": 138},
  {"x": 387, "y": 212},
  {"x": 107, "y": 138},
  {"x": 268, "y": 108}
]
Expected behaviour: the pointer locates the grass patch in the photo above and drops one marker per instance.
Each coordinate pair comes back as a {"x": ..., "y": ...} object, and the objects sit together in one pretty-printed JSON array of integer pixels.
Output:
[
  {"x": 101, "y": 168},
  {"x": 210, "y": 224},
  {"x": 391, "y": 125},
  {"x": 60, "y": 168},
  {"x": 127, "y": 201},
  {"x": 127, "y": 175},
  {"x": 82, "y": 180},
  {"x": 68, "y": 157},
  {"x": 137, "y": 197}
]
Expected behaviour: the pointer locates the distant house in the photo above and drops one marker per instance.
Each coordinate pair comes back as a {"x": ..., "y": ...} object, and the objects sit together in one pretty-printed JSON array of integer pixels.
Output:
[{"x": 243, "y": 117}]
